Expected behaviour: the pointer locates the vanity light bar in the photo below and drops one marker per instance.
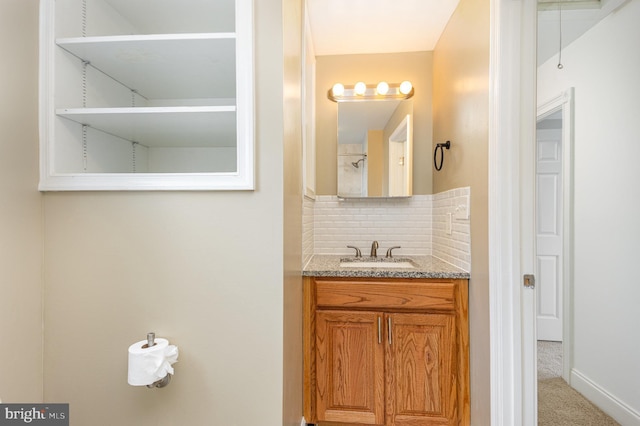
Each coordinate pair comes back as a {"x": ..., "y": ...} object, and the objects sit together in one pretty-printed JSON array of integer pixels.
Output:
[{"x": 366, "y": 92}]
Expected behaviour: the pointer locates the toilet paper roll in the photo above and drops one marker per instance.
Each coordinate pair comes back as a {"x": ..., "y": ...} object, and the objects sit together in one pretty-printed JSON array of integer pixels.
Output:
[{"x": 150, "y": 364}]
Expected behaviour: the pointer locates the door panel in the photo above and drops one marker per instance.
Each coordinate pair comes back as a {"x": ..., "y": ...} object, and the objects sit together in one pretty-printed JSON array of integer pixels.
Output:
[
  {"x": 350, "y": 367},
  {"x": 421, "y": 365}
]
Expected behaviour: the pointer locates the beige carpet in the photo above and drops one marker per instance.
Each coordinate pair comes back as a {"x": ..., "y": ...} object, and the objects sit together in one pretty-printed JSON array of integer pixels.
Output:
[
  {"x": 558, "y": 403},
  {"x": 549, "y": 360}
]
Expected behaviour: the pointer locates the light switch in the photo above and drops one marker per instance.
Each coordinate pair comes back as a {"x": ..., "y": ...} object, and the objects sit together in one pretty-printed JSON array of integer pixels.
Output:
[
  {"x": 462, "y": 209},
  {"x": 448, "y": 226}
]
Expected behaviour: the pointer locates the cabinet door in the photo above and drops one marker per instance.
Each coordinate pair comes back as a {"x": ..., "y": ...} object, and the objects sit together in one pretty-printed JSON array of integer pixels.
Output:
[
  {"x": 349, "y": 367},
  {"x": 421, "y": 365}
]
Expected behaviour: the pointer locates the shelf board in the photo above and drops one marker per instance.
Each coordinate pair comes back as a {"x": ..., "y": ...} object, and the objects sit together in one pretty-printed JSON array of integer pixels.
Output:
[
  {"x": 213, "y": 126},
  {"x": 167, "y": 66}
]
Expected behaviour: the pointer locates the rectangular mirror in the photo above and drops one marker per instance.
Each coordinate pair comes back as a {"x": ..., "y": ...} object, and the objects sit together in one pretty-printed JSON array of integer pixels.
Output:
[{"x": 375, "y": 148}]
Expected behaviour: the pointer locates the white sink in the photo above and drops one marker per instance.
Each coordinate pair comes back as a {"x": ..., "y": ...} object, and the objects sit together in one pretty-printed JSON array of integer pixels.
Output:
[{"x": 407, "y": 264}]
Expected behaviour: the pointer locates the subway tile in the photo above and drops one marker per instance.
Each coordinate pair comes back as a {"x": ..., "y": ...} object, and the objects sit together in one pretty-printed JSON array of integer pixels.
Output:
[{"x": 417, "y": 224}]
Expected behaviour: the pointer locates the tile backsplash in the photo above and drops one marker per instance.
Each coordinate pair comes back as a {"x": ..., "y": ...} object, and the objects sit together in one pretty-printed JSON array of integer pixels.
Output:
[
  {"x": 452, "y": 244},
  {"x": 307, "y": 229},
  {"x": 402, "y": 222},
  {"x": 417, "y": 224}
]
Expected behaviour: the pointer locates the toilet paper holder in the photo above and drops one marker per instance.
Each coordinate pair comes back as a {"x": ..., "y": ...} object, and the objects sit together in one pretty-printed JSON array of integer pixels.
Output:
[{"x": 151, "y": 337}]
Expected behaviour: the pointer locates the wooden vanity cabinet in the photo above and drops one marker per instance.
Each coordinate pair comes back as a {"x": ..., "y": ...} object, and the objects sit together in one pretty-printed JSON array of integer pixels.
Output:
[{"x": 386, "y": 351}]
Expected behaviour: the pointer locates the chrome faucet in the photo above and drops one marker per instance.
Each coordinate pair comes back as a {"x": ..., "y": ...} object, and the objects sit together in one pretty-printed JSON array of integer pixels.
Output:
[{"x": 374, "y": 249}]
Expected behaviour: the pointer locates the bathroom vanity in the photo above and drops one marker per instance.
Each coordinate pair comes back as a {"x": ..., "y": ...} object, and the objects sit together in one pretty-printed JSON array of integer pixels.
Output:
[{"x": 386, "y": 345}]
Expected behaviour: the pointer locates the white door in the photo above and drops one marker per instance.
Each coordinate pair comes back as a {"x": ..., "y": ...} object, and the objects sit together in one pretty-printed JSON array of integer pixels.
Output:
[{"x": 549, "y": 227}]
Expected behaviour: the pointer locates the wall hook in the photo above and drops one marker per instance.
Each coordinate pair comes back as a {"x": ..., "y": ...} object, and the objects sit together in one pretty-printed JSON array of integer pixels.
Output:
[{"x": 441, "y": 147}]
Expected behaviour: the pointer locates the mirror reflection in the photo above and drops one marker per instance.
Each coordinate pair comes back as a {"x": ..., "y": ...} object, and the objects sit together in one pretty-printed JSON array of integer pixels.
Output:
[{"x": 375, "y": 146}]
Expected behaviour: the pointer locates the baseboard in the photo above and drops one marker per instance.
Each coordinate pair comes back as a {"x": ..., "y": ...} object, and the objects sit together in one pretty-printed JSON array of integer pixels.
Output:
[{"x": 615, "y": 408}]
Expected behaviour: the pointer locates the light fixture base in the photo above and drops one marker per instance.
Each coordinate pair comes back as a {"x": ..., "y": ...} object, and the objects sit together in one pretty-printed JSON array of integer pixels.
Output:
[{"x": 369, "y": 94}]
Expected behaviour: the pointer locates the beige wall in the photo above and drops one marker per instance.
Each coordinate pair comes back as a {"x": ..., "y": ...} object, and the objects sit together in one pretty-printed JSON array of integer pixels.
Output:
[
  {"x": 292, "y": 321},
  {"x": 217, "y": 273},
  {"x": 460, "y": 106},
  {"x": 20, "y": 206},
  {"x": 392, "y": 67}
]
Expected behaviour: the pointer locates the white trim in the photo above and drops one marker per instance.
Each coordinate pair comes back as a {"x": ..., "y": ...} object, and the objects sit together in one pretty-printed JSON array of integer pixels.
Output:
[
  {"x": 511, "y": 131},
  {"x": 553, "y": 105},
  {"x": 615, "y": 408},
  {"x": 245, "y": 94},
  {"x": 502, "y": 334},
  {"x": 146, "y": 182}
]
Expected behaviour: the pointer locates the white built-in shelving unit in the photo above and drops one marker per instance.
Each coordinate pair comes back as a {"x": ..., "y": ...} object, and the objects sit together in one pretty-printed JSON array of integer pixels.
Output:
[{"x": 146, "y": 94}]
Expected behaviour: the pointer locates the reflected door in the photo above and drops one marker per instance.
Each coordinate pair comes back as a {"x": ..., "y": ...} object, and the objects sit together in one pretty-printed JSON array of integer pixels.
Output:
[{"x": 397, "y": 168}]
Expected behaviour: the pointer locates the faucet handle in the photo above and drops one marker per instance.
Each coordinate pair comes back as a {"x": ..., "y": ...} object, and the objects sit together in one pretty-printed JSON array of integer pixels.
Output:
[
  {"x": 389, "y": 254},
  {"x": 358, "y": 253}
]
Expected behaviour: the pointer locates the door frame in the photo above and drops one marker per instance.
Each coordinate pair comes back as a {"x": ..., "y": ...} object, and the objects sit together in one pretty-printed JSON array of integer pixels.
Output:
[
  {"x": 511, "y": 193},
  {"x": 512, "y": 147},
  {"x": 565, "y": 102},
  {"x": 402, "y": 133}
]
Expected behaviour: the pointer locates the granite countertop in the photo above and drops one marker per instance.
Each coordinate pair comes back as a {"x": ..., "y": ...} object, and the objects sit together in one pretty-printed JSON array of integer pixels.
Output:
[{"x": 426, "y": 267}]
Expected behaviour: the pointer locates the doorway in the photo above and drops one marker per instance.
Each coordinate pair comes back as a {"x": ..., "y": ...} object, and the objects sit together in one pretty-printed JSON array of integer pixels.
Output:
[
  {"x": 553, "y": 223},
  {"x": 400, "y": 167}
]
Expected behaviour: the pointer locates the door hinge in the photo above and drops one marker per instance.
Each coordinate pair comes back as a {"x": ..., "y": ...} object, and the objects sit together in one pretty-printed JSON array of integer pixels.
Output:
[{"x": 529, "y": 280}]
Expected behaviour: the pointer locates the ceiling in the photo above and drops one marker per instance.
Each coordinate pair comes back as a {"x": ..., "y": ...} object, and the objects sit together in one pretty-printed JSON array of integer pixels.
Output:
[
  {"x": 552, "y": 121},
  {"x": 356, "y": 118},
  {"x": 577, "y": 18},
  {"x": 340, "y": 27}
]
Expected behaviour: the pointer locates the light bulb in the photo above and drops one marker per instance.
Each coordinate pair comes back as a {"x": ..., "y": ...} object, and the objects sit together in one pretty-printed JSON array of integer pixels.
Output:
[
  {"x": 382, "y": 88},
  {"x": 360, "y": 88},
  {"x": 405, "y": 87},
  {"x": 337, "y": 90}
]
